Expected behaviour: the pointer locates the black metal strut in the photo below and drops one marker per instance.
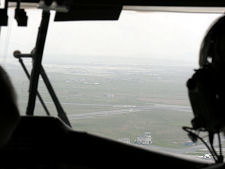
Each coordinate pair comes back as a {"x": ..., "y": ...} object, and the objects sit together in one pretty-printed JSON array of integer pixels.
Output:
[
  {"x": 37, "y": 59},
  {"x": 38, "y": 69},
  {"x": 61, "y": 113},
  {"x": 38, "y": 94}
]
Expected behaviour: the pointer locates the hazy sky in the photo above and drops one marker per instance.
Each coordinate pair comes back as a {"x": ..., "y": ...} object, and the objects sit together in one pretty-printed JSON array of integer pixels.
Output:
[{"x": 136, "y": 37}]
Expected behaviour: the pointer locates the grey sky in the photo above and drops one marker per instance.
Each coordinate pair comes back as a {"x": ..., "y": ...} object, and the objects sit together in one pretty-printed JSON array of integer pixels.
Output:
[{"x": 136, "y": 37}]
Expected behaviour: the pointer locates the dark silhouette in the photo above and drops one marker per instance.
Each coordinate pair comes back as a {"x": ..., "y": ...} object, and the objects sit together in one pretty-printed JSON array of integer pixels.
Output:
[
  {"x": 207, "y": 85},
  {"x": 206, "y": 89},
  {"x": 9, "y": 114},
  {"x": 212, "y": 48}
]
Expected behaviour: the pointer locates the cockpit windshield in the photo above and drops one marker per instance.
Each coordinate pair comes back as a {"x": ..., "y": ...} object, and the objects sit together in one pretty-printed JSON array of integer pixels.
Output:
[{"x": 124, "y": 80}]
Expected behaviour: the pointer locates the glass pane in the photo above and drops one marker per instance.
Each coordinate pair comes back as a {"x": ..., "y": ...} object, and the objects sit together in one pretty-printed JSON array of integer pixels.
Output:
[{"x": 124, "y": 80}]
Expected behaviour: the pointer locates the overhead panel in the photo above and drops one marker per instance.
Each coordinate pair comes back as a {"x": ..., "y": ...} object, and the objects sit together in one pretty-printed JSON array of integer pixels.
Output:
[
  {"x": 111, "y": 9},
  {"x": 184, "y": 3},
  {"x": 91, "y": 10}
]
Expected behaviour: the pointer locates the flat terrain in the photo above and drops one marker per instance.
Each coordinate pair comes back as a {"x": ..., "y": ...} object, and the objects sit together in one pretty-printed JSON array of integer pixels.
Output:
[{"x": 120, "y": 101}]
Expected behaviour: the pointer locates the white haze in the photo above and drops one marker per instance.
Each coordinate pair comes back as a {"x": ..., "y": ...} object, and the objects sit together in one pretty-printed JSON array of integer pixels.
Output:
[{"x": 137, "y": 38}]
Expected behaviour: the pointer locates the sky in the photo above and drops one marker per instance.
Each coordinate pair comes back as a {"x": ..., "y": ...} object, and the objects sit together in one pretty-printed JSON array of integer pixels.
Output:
[{"x": 138, "y": 37}]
